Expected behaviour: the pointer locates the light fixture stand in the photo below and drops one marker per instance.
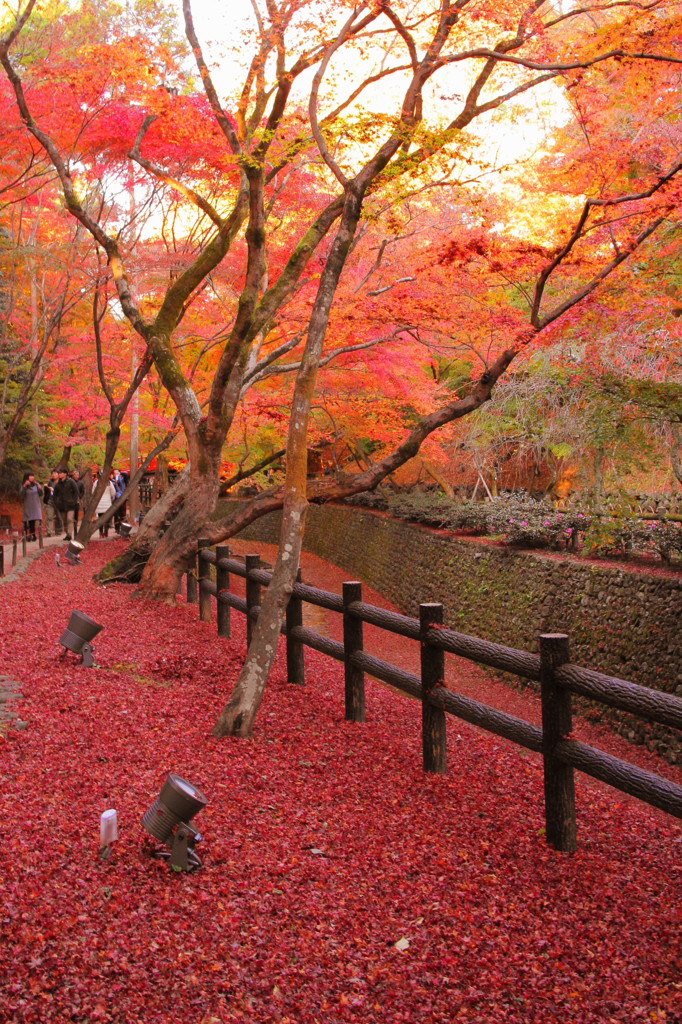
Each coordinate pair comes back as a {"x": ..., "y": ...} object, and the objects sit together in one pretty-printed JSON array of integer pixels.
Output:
[
  {"x": 88, "y": 653},
  {"x": 181, "y": 856}
]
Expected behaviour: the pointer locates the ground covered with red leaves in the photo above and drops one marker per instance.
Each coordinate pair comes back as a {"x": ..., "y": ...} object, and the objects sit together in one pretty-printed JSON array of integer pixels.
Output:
[{"x": 340, "y": 883}]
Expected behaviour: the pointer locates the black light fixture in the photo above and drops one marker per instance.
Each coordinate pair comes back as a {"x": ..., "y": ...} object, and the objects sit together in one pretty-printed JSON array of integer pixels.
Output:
[
  {"x": 168, "y": 820},
  {"x": 73, "y": 552},
  {"x": 77, "y": 636},
  {"x": 125, "y": 529}
]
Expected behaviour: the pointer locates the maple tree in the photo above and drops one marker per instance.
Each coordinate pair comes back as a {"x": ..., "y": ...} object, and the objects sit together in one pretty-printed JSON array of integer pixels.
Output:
[
  {"x": 554, "y": 428},
  {"x": 41, "y": 287},
  {"x": 238, "y": 168}
]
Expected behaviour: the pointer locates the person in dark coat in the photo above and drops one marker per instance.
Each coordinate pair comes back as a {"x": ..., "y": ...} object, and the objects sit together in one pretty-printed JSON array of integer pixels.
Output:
[
  {"x": 76, "y": 477},
  {"x": 119, "y": 482},
  {"x": 31, "y": 496},
  {"x": 54, "y": 522},
  {"x": 65, "y": 500}
]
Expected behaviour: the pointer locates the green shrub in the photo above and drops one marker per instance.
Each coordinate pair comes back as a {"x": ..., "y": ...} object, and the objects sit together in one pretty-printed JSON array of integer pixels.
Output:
[
  {"x": 601, "y": 526},
  {"x": 430, "y": 507},
  {"x": 472, "y": 516},
  {"x": 369, "y": 499},
  {"x": 663, "y": 537},
  {"x": 530, "y": 523}
]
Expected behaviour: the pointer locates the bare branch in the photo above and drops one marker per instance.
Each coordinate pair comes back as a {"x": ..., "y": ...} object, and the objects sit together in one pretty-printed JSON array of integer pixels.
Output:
[
  {"x": 325, "y": 360},
  {"x": 578, "y": 11},
  {"x": 387, "y": 287},
  {"x": 189, "y": 193},
  {"x": 221, "y": 117},
  {"x": 314, "y": 92},
  {"x": 532, "y": 65},
  {"x": 579, "y": 231},
  {"x": 244, "y": 474},
  {"x": 583, "y": 292}
]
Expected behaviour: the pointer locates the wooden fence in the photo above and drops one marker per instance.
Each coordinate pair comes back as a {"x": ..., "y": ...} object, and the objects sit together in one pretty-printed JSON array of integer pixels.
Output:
[
  {"x": 24, "y": 548},
  {"x": 557, "y": 677}
]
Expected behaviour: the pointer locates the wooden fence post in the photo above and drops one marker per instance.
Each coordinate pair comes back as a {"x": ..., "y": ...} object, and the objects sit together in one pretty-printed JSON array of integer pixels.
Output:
[
  {"x": 24, "y": 544},
  {"x": 252, "y": 595},
  {"x": 14, "y": 551},
  {"x": 352, "y": 642},
  {"x": 434, "y": 731},
  {"x": 556, "y": 725},
  {"x": 222, "y": 584},
  {"x": 39, "y": 529},
  {"x": 2, "y": 560},
  {"x": 295, "y": 656},
  {"x": 204, "y": 574}
]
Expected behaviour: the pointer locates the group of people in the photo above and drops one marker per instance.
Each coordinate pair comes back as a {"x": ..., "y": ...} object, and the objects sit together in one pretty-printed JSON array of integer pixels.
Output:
[{"x": 62, "y": 500}]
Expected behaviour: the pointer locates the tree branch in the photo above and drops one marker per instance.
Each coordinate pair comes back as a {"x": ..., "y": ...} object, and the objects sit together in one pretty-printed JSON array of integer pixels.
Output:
[{"x": 189, "y": 193}]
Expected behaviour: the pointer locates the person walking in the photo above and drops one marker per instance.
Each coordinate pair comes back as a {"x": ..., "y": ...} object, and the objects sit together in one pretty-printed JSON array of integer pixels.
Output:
[
  {"x": 52, "y": 516},
  {"x": 119, "y": 483},
  {"x": 104, "y": 503},
  {"x": 65, "y": 499},
  {"x": 76, "y": 477},
  {"x": 32, "y": 506}
]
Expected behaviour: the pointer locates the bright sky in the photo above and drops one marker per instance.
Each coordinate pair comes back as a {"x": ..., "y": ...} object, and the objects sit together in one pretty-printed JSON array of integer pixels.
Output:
[
  {"x": 218, "y": 25},
  {"x": 503, "y": 149}
]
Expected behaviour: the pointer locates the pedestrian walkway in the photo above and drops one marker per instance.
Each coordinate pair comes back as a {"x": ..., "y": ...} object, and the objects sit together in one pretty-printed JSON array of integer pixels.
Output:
[
  {"x": 9, "y": 695},
  {"x": 33, "y": 550}
]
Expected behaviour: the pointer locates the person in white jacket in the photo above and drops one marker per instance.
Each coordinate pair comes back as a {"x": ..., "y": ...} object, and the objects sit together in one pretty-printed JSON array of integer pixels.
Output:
[{"x": 104, "y": 503}]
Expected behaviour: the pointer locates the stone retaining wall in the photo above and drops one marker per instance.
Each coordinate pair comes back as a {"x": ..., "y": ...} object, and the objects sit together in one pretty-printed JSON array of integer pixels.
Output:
[{"x": 624, "y": 622}]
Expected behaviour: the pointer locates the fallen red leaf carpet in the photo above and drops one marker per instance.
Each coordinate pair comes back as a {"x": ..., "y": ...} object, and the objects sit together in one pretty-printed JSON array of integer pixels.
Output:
[{"x": 340, "y": 883}]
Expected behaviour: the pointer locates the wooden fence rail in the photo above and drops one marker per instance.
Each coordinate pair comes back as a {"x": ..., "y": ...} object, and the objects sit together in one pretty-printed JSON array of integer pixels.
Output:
[{"x": 558, "y": 679}]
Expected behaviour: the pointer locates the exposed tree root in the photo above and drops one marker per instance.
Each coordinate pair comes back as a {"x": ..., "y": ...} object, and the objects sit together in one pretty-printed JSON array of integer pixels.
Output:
[{"x": 125, "y": 568}]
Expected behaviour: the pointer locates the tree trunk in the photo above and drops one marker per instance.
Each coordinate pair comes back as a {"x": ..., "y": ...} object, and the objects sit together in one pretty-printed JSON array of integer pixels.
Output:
[
  {"x": 237, "y": 717},
  {"x": 599, "y": 457},
  {"x": 675, "y": 461},
  {"x": 169, "y": 558},
  {"x": 91, "y": 499},
  {"x": 130, "y": 565},
  {"x": 240, "y": 711},
  {"x": 160, "y": 484},
  {"x": 438, "y": 478}
]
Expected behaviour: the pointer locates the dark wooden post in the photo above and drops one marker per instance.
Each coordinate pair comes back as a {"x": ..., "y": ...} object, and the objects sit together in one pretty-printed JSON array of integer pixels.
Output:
[
  {"x": 14, "y": 551},
  {"x": 252, "y": 595},
  {"x": 2, "y": 560},
  {"x": 24, "y": 544},
  {"x": 434, "y": 731},
  {"x": 40, "y": 535},
  {"x": 556, "y": 725},
  {"x": 295, "y": 656},
  {"x": 222, "y": 584},
  {"x": 204, "y": 574},
  {"x": 352, "y": 642}
]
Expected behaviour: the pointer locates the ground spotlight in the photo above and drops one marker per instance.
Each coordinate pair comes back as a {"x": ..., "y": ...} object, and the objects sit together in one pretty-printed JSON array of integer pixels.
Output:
[
  {"x": 124, "y": 529},
  {"x": 77, "y": 636},
  {"x": 73, "y": 552},
  {"x": 168, "y": 820}
]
